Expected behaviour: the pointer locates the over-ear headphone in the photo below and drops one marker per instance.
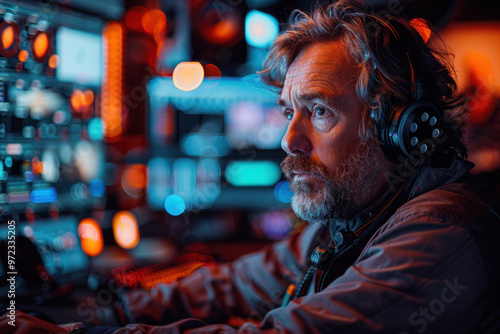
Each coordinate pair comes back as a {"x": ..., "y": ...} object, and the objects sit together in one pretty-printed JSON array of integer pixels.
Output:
[{"x": 415, "y": 131}]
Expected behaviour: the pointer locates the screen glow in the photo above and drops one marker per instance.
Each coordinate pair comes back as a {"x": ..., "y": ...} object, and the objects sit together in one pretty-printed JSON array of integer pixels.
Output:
[{"x": 80, "y": 56}]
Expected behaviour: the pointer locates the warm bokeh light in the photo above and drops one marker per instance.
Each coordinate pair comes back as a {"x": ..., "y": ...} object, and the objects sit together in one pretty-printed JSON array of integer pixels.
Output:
[
  {"x": 23, "y": 56},
  {"x": 91, "y": 239},
  {"x": 153, "y": 20},
  {"x": 36, "y": 166},
  {"x": 134, "y": 179},
  {"x": 53, "y": 61},
  {"x": 475, "y": 48},
  {"x": 212, "y": 71},
  {"x": 82, "y": 103},
  {"x": 134, "y": 17},
  {"x": 41, "y": 46},
  {"x": 125, "y": 229},
  {"x": 87, "y": 98},
  {"x": 188, "y": 75},
  {"x": 422, "y": 27},
  {"x": 482, "y": 97},
  {"x": 225, "y": 31},
  {"x": 219, "y": 29},
  {"x": 112, "y": 85},
  {"x": 76, "y": 100},
  {"x": 7, "y": 37}
]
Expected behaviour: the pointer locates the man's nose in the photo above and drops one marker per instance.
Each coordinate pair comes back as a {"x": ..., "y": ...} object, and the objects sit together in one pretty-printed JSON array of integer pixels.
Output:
[{"x": 296, "y": 141}]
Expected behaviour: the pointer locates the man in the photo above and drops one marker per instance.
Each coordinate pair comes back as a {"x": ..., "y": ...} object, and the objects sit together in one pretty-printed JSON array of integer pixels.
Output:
[{"x": 407, "y": 244}]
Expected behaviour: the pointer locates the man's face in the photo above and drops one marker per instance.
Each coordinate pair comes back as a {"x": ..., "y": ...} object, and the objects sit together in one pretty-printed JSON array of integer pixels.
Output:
[{"x": 332, "y": 172}]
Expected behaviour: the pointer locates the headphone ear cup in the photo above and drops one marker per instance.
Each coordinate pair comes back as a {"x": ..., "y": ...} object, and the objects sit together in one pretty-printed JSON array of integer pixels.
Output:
[
  {"x": 413, "y": 132},
  {"x": 388, "y": 143}
]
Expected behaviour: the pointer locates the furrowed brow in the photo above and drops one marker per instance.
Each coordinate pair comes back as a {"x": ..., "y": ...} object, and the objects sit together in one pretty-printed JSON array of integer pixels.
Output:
[
  {"x": 318, "y": 96},
  {"x": 308, "y": 98},
  {"x": 282, "y": 102}
]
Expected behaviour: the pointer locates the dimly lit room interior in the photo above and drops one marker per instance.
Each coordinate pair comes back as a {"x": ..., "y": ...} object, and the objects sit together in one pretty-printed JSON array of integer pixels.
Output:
[{"x": 138, "y": 142}]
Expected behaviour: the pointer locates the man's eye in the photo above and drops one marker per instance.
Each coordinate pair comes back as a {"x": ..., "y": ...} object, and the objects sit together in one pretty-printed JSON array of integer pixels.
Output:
[
  {"x": 288, "y": 115},
  {"x": 320, "y": 112}
]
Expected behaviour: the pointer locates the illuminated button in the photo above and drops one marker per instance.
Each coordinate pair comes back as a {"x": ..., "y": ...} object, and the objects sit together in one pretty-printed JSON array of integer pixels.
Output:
[
  {"x": 436, "y": 133},
  {"x": 7, "y": 37},
  {"x": 414, "y": 141},
  {"x": 424, "y": 117},
  {"x": 413, "y": 127},
  {"x": 423, "y": 148},
  {"x": 433, "y": 121},
  {"x": 53, "y": 61},
  {"x": 41, "y": 46},
  {"x": 23, "y": 56}
]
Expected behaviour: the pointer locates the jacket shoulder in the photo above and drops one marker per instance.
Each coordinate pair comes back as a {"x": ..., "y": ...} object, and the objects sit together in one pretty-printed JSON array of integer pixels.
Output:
[{"x": 458, "y": 203}]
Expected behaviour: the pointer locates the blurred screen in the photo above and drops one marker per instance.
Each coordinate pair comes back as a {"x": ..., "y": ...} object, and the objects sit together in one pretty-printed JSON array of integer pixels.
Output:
[
  {"x": 80, "y": 55},
  {"x": 251, "y": 124},
  {"x": 216, "y": 146}
]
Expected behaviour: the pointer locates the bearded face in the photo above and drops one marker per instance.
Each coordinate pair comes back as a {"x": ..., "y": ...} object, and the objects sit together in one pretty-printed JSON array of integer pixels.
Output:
[
  {"x": 333, "y": 170},
  {"x": 320, "y": 196}
]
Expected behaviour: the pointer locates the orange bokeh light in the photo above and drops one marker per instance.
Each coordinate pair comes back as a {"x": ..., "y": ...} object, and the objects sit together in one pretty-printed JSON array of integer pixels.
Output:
[
  {"x": 188, "y": 75},
  {"x": 134, "y": 180},
  {"x": 41, "y": 45},
  {"x": 112, "y": 86},
  {"x": 134, "y": 17},
  {"x": 7, "y": 37},
  {"x": 135, "y": 176},
  {"x": 23, "y": 56},
  {"x": 36, "y": 166},
  {"x": 91, "y": 239},
  {"x": 87, "y": 98},
  {"x": 154, "y": 19},
  {"x": 76, "y": 100},
  {"x": 53, "y": 61},
  {"x": 126, "y": 229},
  {"x": 225, "y": 31},
  {"x": 212, "y": 70}
]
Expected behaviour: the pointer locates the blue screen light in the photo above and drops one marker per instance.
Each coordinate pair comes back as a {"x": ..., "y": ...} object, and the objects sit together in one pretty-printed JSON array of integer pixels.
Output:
[
  {"x": 252, "y": 173},
  {"x": 282, "y": 192},
  {"x": 96, "y": 187},
  {"x": 175, "y": 205},
  {"x": 95, "y": 129},
  {"x": 46, "y": 195},
  {"x": 260, "y": 29}
]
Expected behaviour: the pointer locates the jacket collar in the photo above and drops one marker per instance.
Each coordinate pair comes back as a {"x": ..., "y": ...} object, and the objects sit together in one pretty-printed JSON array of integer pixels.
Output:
[
  {"x": 427, "y": 179},
  {"x": 430, "y": 178}
]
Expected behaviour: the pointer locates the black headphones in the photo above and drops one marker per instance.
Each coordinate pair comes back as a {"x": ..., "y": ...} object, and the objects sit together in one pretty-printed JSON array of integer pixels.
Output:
[{"x": 415, "y": 131}]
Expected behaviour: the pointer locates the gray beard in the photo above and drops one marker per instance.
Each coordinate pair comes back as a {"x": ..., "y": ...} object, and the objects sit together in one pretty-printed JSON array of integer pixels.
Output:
[{"x": 339, "y": 197}]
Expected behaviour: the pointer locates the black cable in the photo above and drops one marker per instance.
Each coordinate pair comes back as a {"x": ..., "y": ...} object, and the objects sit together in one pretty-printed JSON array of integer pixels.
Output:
[{"x": 305, "y": 282}]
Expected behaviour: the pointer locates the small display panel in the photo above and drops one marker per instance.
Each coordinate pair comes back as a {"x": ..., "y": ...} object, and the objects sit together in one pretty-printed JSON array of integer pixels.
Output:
[{"x": 80, "y": 55}]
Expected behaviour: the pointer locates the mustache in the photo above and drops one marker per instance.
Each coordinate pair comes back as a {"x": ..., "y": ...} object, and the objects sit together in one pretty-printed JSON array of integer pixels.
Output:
[{"x": 303, "y": 164}]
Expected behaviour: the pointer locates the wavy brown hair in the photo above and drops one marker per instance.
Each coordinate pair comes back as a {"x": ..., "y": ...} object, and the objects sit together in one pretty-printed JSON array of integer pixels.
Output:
[{"x": 382, "y": 60}]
